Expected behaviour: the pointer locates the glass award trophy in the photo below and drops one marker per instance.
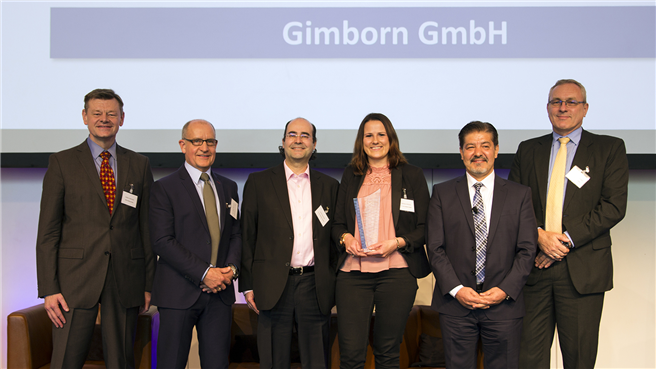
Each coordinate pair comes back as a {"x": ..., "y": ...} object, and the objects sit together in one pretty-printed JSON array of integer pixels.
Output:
[{"x": 367, "y": 212}]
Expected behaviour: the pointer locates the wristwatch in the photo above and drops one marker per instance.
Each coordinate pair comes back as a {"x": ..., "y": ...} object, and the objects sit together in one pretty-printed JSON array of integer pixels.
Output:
[{"x": 235, "y": 272}]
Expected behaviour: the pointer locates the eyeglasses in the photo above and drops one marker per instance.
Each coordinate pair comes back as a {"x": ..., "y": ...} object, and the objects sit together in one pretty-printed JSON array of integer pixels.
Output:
[
  {"x": 294, "y": 135},
  {"x": 198, "y": 142},
  {"x": 569, "y": 103}
]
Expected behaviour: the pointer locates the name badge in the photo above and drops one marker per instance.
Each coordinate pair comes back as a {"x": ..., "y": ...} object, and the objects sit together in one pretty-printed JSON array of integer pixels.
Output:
[
  {"x": 234, "y": 208},
  {"x": 129, "y": 199},
  {"x": 321, "y": 214},
  {"x": 408, "y": 205},
  {"x": 578, "y": 176}
]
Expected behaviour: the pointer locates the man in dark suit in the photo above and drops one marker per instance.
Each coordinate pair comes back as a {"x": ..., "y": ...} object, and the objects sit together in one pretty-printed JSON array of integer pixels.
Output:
[
  {"x": 194, "y": 224},
  {"x": 574, "y": 267},
  {"x": 481, "y": 240},
  {"x": 288, "y": 259},
  {"x": 93, "y": 244}
]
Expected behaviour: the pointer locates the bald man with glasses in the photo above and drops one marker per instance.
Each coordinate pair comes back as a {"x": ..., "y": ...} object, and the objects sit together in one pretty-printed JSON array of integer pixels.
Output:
[
  {"x": 194, "y": 223},
  {"x": 288, "y": 258}
]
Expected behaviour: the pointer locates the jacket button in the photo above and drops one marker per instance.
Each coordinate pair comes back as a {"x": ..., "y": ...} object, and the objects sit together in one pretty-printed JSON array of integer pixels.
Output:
[
  {"x": 473, "y": 272},
  {"x": 287, "y": 264},
  {"x": 107, "y": 253},
  {"x": 111, "y": 227},
  {"x": 473, "y": 248}
]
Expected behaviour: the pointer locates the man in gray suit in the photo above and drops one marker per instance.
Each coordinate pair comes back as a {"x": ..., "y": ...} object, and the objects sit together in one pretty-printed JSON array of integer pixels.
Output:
[
  {"x": 481, "y": 240},
  {"x": 93, "y": 244}
]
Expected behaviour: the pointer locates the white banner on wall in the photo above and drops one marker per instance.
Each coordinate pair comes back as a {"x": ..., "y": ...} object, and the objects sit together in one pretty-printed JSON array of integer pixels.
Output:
[{"x": 250, "y": 68}]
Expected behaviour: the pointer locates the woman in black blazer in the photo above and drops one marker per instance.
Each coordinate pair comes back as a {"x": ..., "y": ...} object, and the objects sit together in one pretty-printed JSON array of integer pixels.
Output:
[{"x": 384, "y": 274}]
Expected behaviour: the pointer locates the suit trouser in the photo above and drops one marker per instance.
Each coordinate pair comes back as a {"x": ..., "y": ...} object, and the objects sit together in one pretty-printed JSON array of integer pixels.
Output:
[
  {"x": 71, "y": 343},
  {"x": 500, "y": 340},
  {"x": 298, "y": 307},
  {"x": 212, "y": 318},
  {"x": 392, "y": 292},
  {"x": 553, "y": 301}
]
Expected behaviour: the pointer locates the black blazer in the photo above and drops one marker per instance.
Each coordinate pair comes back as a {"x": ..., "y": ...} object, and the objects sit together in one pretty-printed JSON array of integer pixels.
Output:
[
  {"x": 589, "y": 212},
  {"x": 407, "y": 225},
  {"x": 268, "y": 237},
  {"x": 451, "y": 244},
  {"x": 76, "y": 231},
  {"x": 181, "y": 238}
]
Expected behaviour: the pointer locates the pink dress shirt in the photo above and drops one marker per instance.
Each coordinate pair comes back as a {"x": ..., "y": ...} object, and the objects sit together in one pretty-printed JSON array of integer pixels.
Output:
[{"x": 300, "y": 202}]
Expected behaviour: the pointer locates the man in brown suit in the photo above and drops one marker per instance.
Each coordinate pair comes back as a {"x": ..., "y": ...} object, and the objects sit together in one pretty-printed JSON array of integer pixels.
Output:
[{"x": 93, "y": 244}]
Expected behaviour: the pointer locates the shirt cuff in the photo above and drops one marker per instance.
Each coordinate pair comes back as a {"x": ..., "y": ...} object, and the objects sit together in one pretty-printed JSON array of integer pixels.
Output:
[
  {"x": 204, "y": 274},
  {"x": 455, "y": 290},
  {"x": 571, "y": 243}
]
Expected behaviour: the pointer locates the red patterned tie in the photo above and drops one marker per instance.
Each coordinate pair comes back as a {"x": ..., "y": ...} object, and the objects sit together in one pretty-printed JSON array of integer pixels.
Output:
[{"x": 107, "y": 180}]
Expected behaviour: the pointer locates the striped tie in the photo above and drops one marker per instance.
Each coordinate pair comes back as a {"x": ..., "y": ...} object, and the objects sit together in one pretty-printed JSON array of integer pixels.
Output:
[{"x": 481, "y": 233}]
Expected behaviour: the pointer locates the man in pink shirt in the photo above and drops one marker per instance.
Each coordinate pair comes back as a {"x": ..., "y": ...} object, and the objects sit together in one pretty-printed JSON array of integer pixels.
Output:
[{"x": 288, "y": 259}]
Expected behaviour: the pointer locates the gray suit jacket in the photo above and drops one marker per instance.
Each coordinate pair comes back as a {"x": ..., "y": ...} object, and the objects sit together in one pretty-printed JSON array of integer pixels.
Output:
[
  {"x": 451, "y": 244},
  {"x": 589, "y": 212},
  {"x": 77, "y": 235}
]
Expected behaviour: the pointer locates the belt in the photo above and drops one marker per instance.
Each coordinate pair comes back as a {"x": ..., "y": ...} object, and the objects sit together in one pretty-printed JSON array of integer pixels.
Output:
[{"x": 301, "y": 270}]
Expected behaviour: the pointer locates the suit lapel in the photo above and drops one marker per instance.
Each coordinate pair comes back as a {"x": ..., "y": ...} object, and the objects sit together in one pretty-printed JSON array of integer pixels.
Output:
[
  {"x": 123, "y": 164},
  {"x": 581, "y": 158},
  {"x": 354, "y": 194},
  {"x": 542, "y": 155},
  {"x": 316, "y": 186},
  {"x": 190, "y": 188},
  {"x": 279, "y": 183},
  {"x": 498, "y": 200},
  {"x": 463, "y": 195},
  {"x": 223, "y": 202},
  {"x": 89, "y": 167},
  {"x": 397, "y": 190}
]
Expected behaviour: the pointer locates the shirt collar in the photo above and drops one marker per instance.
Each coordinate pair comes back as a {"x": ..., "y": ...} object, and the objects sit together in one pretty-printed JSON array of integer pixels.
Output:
[
  {"x": 194, "y": 173},
  {"x": 290, "y": 173},
  {"x": 96, "y": 150},
  {"x": 487, "y": 181},
  {"x": 574, "y": 137}
]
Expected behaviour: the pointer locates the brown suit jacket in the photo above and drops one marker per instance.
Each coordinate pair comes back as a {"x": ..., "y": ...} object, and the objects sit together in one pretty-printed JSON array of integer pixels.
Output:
[{"x": 77, "y": 235}]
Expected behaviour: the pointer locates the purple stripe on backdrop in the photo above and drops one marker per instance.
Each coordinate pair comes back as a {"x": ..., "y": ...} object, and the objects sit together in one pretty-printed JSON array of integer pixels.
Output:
[{"x": 467, "y": 32}]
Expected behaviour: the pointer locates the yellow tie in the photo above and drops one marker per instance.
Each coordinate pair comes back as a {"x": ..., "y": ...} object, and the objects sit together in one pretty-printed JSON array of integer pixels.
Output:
[{"x": 554, "y": 220}]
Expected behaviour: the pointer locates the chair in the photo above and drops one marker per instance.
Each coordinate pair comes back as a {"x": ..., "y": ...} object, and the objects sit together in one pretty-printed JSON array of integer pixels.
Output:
[{"x": 29, "y": 340}]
